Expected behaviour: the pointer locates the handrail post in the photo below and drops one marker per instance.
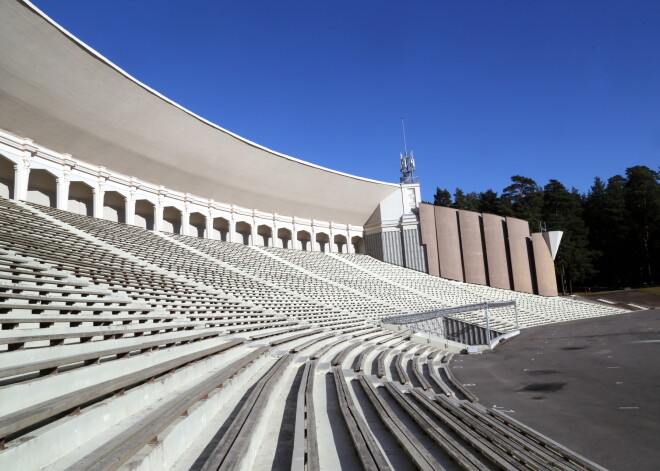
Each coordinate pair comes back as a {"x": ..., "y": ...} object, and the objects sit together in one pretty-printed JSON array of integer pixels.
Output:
[
  {"x": 487, "y": 325},
  {"x": 515, "y": 305}
]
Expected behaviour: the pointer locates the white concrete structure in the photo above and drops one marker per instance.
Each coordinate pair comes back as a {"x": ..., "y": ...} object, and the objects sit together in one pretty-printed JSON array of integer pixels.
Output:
[
  {"x": 157, "y": 141},
  {"x": 44, "y": 176},
  {"x": 75, "y": 145}
]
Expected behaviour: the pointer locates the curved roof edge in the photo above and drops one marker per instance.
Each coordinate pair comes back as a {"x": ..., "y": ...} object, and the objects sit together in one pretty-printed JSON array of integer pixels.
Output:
[
  {"x": 134, "y": 136},
  {"x": 109, "y": 63}
]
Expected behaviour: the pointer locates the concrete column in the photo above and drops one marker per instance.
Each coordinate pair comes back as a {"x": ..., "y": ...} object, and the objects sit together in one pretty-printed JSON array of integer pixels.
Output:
[
  {"x": 62, "y": 183},
  {"x": 208, "y": 234},
  {"x": 313, "y": 246},
  {"x": 99, "y": 194},
  {"x": 185, "y": 220},
  {"x": 158, "y": 215},
  {"x": 294, "y": 238},
  {"x": 22, "y": 176},
  {"x": 349, "y": 241},
  {"x": 275, "y": 241},
  {"x": 17, "y": 177},
  {"x": 231, "y": 234},
  {"x": 331, "y": 242},
  {"x": 129, "y": 204},
  {"x": 253, "y": 233}
]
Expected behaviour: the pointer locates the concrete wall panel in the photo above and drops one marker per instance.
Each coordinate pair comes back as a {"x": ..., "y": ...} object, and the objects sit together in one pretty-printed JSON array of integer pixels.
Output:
[
  {"x": 498, "y": 265},
  {"x": 449, "y": 247},
  {"x": 518, "y": 231},
  {"x": 429, "y": 239},
  {"x": 392, "y": 252},
  {"x": 474, "y": 264},
  {"x": 546, "y": 279},
  {"x": 413, "y": 251}
]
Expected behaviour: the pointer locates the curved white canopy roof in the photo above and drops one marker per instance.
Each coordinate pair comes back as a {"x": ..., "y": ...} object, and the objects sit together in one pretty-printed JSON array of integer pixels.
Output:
[{"x": 59, "y": 92}]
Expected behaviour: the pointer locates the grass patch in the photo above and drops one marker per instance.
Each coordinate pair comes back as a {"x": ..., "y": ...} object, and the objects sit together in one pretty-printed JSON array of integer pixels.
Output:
[{"x": 651, "y": 290}]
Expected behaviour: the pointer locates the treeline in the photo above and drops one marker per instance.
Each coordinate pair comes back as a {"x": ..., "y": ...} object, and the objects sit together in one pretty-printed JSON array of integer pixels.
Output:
[{"x": 611, "y": 234}]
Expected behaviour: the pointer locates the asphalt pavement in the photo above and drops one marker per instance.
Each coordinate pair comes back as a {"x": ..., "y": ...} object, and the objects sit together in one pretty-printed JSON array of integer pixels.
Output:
[{"x": 593, "y": 385}]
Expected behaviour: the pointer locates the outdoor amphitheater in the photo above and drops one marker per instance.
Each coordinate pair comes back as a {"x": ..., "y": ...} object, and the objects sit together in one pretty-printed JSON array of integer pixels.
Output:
[{"x": 170, "y": 300}]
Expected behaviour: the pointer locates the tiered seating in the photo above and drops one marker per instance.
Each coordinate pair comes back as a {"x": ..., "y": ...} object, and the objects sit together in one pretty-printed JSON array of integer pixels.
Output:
[
  {"x": 26, "y": 234},
  {"x": 332, "y": 269},
  {"x": 255, "y": 262},
  {"x": 176, "y": 258},
  {"x": 124, "y": 349},
  {"x": 533, "y": 310}
]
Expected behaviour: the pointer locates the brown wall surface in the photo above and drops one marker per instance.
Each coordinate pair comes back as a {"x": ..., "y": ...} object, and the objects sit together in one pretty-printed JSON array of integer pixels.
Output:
[
  {"x": 474, "y": 264},
  {"x": 449, "y": 247},
  {"x": 486, "y": 249},
  {"x": 518, "y": 231},
  {"x": 427, "y": 227},
  {"x": 498, "y": 265},
  {"x": 545, "y": 267}
]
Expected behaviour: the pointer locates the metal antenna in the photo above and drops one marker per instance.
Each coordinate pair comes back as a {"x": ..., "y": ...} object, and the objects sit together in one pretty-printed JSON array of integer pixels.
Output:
[
  {"x": 407, "y": 161},
  {"x": 405, "y": 145}
]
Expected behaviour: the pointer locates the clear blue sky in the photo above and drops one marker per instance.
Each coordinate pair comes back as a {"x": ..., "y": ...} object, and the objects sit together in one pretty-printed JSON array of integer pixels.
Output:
[{"x": 546, "y": 89}]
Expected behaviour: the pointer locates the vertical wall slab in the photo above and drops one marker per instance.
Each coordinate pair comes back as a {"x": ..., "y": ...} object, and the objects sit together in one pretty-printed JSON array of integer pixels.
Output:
[
  {"x": 546, "y": 279},
  {"x": 429, "y": 239},
  {"x": 373, "y": 245},
  {"x": 449, "y": 247},
  {"x": 518, "y": 231},
  {"x": 413, "y": 251},
  {"x": 392, "y": 248},
  {"x": 474, "y": 264},
  {"x": 498, "y": 265}
]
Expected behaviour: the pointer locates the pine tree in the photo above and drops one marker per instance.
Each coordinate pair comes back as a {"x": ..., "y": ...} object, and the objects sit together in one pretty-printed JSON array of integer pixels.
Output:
[
  {"x": 642, "y": 201},
  {"x": 469, "y": 202},
  {"x": 562, "y": 211},
  {"x": 442, "y": 197},
  {"x": 525, "y": 199}
]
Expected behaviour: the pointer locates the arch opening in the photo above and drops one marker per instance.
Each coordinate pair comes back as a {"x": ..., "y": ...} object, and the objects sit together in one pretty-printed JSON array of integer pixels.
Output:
[
  {"x": 42, "y": 188},
  {"x": 243, "y": 233},
  {"x": 358, "y": 244},
  {"x": 340, "y": 243},
  {"x": 323, "y": 241},
  {"x": 265, "y": 235},
  {"x": 145, "y": 214},
  {"x": 7, "y": 178},
  {"x": 172, "y": 220},
  {"x": 81, "y": 199},
  {"x": 197, "y": 225},
  {"x": 220, "y": 229},
  {"x": 114, "y": 206},
  {"x": 304, "y": 240},
  {"x": 284, "y": 237}
]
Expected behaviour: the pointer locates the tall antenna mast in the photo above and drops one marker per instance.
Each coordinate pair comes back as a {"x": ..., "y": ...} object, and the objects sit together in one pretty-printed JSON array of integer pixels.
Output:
[
  {"x": 407, "y": 161},
  {"x": 405, "y": 146}
]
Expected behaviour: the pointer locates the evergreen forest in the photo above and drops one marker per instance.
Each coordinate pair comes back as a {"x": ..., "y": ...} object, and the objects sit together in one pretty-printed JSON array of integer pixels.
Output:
[{"x": 611, "y": 234}]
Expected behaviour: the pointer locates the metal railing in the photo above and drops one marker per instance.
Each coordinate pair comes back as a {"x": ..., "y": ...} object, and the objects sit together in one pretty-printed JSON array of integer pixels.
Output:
[{"x": 440, "y": 323}]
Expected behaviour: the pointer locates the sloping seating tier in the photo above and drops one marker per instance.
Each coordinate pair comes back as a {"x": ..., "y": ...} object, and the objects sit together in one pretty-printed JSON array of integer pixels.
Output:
[
  {"x": 332, "y": 269},
  {"x": 175, "y": 258},
  {"x": 275, "y": 270},
  {"x": 26, "y": 234},
  {"x": 124, "y": 349},
  {"x": 533, "y": 309}
]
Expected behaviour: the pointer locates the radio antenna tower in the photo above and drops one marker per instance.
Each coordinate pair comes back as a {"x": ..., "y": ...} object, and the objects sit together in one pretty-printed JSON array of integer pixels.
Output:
[{"x": 407, "y": 161}]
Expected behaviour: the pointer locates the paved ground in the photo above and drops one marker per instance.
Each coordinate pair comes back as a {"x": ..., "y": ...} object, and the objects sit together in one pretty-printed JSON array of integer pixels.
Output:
[
  {"x": 592, "y": 385},
  {"x": 630, "y": 296}
]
